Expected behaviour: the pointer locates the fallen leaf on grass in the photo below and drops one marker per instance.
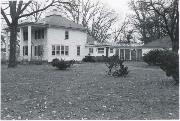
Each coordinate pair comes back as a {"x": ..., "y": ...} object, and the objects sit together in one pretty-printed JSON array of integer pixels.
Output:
[
  {"x": 104, "y": 106},
  {"x": 170, "y": 114}
]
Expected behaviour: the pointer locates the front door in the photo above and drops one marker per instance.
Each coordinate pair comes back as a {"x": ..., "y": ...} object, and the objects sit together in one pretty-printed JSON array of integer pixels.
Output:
[
  {"x": 133, "y": 55},
  {"x": 139, "y": 54}
]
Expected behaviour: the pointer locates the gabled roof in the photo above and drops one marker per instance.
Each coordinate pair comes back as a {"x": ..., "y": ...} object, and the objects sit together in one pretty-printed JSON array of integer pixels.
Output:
[
  {"x": 59, "y": 21},
  {"x": 159, "y": 43}
]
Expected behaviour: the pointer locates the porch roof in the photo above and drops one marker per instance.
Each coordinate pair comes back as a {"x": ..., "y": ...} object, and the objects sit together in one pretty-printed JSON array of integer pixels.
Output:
[{"x": 159, "y": 43}]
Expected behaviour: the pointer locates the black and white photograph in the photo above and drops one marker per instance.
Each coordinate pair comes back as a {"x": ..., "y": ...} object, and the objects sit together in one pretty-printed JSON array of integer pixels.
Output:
[{"x": 89, "y": 60}]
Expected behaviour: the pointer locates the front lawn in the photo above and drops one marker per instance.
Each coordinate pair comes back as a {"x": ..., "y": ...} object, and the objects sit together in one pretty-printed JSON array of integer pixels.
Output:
[{"x": 86, "y": 92}]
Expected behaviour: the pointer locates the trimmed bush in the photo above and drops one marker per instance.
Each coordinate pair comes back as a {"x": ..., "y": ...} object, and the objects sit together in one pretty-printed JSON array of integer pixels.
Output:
[
  {"x": 88, "y": 59},
  {"x": 95, "y": 59},
  {"x": 116, "y": 67},
  {"x": 166, "y": 59},
  {"x": 55, "y": 62},
  {"x": 62, "y": 64},
  {"x": 170, "y": 64},
  {"x": 153, "y": 57}
]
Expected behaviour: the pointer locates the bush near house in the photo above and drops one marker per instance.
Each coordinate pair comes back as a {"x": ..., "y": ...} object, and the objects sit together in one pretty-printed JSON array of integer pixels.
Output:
[
  {"x": 153, "y": 57},
  {"x": 88, "y": 59},
  {"x": 166, "y": 59},
  {"x": 95, "y": 59},
  {"x": 116, "y": 67},
  {"x": 62, "y": 64}
]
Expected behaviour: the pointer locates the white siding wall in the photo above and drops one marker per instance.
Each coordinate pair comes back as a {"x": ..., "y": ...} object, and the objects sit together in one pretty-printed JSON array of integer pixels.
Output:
[
  {"x": 56, "y": 36},
  {"x": 95, "y": 51}
]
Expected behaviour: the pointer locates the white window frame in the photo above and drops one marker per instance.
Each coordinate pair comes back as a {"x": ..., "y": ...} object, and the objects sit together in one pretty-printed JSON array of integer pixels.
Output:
[
  {"x": 53, "y": 47},
  {"x": 66, "y": 50},
  {"x": 66, "y": 34},
  {"x": 58, "y": 49},
  {"x": 78, "y": 50},
  {"x": 111, "y": 50},
  {"x": 101, "y": 50},
  {"x": 91, "y": 50}
]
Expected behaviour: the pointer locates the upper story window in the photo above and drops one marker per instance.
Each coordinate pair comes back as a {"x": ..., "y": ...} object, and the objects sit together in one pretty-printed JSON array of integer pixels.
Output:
[
  {"x": 25, "y": 36},
  {"x": 111, "y": 50},
  {"x": 66, "y": 34},
  {"x": 78, "y": 50},
  {"x": 39, "y": 34},
  {"x": 100, "y": 50},
  {"x": 90, "y": 50}
]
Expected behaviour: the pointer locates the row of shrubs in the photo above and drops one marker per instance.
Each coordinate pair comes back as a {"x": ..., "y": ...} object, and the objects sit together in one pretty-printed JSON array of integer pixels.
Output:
[
  {"x": 167, "y": 60},
  {"x": 114, "y": 64},
  {"x": 95, "y": 59}
]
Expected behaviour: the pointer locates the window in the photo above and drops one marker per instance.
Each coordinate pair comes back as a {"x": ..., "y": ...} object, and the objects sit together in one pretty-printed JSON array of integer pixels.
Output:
[
  {"x": 78, "y": 50},
  {"x": 53, "y": 49},
  {"x": 39, "y": 34},
  {"x": 66, "y": 34},
  {"x": 25, "y": 50},
  {"x": 111, "y": 50},
  {"x": 62, "y": 50},
  {"x": 25, "y": 36},
  {"x": 90, "y": 50},
  {"x": 58, "y": 50},
  {"x": 100, "y": 50},
  {"x": 66, "y": 50},
  {"x": 38, "y": 50},
  {"x": 122, "y": 56},
  {"x": 35, "y": 50}
]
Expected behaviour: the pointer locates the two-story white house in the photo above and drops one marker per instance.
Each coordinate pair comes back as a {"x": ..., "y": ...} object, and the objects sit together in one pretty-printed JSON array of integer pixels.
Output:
[{"x": 52, "y": 37}]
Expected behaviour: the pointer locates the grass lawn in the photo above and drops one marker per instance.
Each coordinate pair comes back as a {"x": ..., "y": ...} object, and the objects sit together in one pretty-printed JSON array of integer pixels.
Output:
[{"x": 86, "y": 92}]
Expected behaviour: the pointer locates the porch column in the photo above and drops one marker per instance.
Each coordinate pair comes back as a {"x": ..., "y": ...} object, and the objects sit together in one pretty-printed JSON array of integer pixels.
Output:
[
  {"x": 7, "y": 45},
  {"x": 124, "y": 54},
  {"x": 130, "y": 54},
  {"x": 21, "y": 43},
  {"x": 29, "y": 43},
  {"x": 136, "y": 55}
]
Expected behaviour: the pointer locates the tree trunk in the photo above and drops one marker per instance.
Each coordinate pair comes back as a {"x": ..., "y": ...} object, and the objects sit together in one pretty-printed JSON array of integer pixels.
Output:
[
  {"x": 13, "y": 38},
  {"x": 175, "y": 46}
]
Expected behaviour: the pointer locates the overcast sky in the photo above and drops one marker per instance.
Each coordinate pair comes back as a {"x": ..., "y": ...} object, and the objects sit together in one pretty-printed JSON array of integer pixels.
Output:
[{"x": 120, "y": 6}]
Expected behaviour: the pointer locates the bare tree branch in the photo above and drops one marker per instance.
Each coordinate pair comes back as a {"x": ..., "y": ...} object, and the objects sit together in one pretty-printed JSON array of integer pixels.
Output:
[{"x": 5, "y": 17}]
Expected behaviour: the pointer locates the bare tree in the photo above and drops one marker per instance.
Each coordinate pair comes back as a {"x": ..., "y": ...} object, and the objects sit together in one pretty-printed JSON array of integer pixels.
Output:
[
  {"x": 169, "y": 12},
  {"x": 157, "y": 18},
  {"x": 34, "y": 6},
  {"x": 148, "y": 23},
  {"x": 96, "y": 17},
  {"x": 118, "y": 33},
  {"x": 16, "y": 12}
]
